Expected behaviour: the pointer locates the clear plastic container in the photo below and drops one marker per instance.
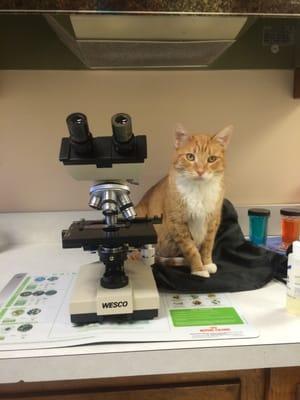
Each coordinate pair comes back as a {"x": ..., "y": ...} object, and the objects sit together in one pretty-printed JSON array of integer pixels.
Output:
[
  {"x": 293, "y": 281},
  {"x": 258, "y": 225},
  {"x": 290, "y": 225}
]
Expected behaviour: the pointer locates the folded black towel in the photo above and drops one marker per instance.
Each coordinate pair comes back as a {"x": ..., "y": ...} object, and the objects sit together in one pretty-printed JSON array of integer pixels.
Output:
[{"x": 241, "y": 265}]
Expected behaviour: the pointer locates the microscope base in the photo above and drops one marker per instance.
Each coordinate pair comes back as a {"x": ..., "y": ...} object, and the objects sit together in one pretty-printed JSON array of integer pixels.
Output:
[{"x": 90, "y": 302}]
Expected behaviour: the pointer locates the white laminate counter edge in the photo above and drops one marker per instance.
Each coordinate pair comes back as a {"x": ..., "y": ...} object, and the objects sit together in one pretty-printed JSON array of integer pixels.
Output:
[{"x": 89, "y": 366}]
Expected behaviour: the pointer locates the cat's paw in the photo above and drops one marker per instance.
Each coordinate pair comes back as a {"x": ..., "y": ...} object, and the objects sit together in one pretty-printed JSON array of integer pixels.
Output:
[
  {"x": 211, "y": 268},
  {"x": 203, "y": 273}
]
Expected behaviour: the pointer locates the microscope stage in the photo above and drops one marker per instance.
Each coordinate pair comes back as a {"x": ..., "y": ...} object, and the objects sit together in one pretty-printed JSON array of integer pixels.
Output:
[
  {"x": 90, "y": 302},
  {"x": 91, "y": 234}
]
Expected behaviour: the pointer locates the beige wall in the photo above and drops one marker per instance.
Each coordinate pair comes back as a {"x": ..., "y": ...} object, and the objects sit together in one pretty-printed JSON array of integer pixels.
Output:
[{"x": 263, "y": 158}]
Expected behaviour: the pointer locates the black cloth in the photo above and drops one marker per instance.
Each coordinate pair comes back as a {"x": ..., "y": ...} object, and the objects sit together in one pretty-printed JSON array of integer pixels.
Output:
[{"x": 241, "y": 265}]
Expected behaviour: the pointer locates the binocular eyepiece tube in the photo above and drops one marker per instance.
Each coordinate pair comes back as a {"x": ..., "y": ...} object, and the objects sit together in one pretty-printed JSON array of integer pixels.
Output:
[{"x": 81, "y": 138}]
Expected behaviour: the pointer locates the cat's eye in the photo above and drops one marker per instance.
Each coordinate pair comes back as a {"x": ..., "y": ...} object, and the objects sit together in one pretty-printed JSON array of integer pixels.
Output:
[
  {"x": 190, "y": 156},
  {"x": 212, "y": 159}
]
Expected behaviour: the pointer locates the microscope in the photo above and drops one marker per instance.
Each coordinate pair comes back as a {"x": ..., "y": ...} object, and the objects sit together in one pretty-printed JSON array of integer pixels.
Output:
[{"x": 113, "y": 287}]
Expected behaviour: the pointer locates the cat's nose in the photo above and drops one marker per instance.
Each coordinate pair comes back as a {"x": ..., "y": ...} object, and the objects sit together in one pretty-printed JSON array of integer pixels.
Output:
[{"x": 200, "y": 172}]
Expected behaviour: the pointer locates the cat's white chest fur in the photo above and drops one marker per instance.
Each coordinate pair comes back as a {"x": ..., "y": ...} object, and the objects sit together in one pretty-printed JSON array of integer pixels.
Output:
[{"x": 200, "y": 198}]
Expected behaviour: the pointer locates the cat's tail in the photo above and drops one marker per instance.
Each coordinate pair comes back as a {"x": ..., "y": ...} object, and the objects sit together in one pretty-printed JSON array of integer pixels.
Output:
[{"x": 170, "y": 261}]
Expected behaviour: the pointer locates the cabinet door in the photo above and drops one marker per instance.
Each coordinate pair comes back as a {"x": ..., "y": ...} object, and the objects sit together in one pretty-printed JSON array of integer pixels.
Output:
[
  {"x": 230, "y": 391},
  {"x": 284, "y": 384},
  {"x": 218, "y": 385}
]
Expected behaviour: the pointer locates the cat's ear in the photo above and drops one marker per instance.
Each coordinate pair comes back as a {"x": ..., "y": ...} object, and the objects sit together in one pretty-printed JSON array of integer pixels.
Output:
[
  {"x": 181, "y": 136},
  {"x": 224, "y": 135}
]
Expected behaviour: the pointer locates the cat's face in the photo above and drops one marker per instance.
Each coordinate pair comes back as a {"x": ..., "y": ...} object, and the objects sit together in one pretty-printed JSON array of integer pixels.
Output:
[{"x": 201, "y": 157}]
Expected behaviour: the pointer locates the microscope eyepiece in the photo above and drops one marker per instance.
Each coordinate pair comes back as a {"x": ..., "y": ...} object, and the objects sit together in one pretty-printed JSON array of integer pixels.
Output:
[
  {"x": 121, "y": 127},
  {"x": 80, "y": 137},
  {"x": 123, "y": 137}
]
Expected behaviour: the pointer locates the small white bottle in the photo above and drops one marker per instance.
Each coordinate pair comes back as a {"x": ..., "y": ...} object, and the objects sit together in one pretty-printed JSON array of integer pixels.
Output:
[{"x": 293, "y": 280}]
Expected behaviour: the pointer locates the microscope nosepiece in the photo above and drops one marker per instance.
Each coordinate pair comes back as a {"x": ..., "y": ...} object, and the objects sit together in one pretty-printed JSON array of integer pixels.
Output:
[{"x": 112, "y": 198}]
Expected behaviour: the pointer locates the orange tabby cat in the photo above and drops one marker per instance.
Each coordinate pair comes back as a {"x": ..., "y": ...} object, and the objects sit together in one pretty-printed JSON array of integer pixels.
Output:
[{"x": 190, "y": 199}]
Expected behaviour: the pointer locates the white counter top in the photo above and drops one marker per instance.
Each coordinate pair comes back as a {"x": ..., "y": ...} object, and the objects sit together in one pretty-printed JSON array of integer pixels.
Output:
[{"x": 278, "y": 344}]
